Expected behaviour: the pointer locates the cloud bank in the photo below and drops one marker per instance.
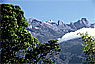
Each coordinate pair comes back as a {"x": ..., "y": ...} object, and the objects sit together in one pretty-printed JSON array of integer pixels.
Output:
[{"x": 73, "y": 35}]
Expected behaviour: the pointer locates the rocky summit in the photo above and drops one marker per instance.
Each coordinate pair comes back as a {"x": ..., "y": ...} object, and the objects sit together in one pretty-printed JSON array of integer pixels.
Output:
[{"x": 45, "y": 31}]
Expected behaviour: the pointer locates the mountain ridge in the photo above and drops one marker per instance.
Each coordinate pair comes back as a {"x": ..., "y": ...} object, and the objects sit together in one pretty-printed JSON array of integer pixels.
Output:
[
  {"x": 71, "y": 50},
  {"x": 45, "y": 31}
]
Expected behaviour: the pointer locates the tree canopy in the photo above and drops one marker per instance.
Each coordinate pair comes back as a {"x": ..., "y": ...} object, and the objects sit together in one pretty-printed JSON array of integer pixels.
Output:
[
  {"x": 89, "y": 47},
  {"x": 14, "y": 37}
]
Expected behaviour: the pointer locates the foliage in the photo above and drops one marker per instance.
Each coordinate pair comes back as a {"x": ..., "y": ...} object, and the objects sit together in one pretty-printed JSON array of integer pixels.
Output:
[
  {"x": 43, "y": 49},
  {"x": 14, "y": 37},
  {"x": 89, "y": 47}
]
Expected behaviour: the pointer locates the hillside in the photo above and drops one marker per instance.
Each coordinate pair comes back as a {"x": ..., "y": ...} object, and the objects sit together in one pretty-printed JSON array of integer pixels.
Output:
[{"x": 71, "y": 52}]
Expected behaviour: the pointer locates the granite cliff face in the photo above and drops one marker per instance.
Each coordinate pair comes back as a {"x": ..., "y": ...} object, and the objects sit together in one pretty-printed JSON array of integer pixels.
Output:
[{"x": 45, "y": 31}]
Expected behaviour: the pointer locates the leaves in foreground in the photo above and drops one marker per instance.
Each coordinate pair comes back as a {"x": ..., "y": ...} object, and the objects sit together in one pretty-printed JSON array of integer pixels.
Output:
[{"x": 89, "y": 47}]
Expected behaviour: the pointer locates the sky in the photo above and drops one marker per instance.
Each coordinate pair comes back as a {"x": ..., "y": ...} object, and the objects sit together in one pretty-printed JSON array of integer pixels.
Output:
[
  {"x": 64, "y": 10},
  {"x": 68, "y": 36}
]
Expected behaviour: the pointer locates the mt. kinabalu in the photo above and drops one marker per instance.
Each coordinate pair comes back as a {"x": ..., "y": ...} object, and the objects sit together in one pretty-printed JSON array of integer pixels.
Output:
[{"x": 45, "y": 31}]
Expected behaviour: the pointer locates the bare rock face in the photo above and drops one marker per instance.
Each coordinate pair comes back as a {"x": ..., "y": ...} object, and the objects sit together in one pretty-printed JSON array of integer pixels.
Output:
[
  {"x": 45, "y": 31},
  {"x": 93, "y": 25},
  {"x": 82, "y": 23},
  {"x": 72, "y": 25},
  {"x": 60, "y": 22}
]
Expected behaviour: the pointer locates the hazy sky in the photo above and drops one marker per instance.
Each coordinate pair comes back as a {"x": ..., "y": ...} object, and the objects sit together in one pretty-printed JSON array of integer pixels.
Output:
[{"x": 64, "y": 10}]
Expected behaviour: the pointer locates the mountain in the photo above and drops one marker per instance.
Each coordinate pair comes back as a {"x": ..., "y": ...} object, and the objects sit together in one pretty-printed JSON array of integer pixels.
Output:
[
  {"x": 93, "y": 25},
  {"x": 45, "y": 31},
  {"x": 71, "y": 49},
  {"x": 71, "y": 52},
  {"x": 82, "y": 23}
]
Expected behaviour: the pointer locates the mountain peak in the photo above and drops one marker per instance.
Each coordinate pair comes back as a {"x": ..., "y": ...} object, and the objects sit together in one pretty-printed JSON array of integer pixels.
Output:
[
  {"x": 50, "y": 21},
  {"x": 60, "y": 22},
  {"x": 83, "y": 22},
  {"x": 54, "y": 30},
  {"x": 71, "y": 23},
  {"x": 84, "y": 19}
]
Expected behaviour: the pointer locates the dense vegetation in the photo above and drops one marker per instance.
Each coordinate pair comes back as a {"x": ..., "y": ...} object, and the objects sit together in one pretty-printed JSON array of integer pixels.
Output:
[
  {"x": 14, "y": 38},
  {"x": 89, "y": 47}
]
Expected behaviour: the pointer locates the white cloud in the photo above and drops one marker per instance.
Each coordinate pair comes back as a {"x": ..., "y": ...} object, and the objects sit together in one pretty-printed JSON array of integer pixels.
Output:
[{"x": 72, "y": 35}]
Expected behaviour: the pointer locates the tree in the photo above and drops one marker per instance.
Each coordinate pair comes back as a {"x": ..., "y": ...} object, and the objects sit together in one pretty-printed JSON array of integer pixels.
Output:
[
  {"x": 42, "y": 50},
  {"x": 89, "y": 47},
  {"x": 14, "y": 37}
]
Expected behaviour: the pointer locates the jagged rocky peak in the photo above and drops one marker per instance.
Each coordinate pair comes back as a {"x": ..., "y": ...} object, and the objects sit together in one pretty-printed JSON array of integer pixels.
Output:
[
  {"x": 31, "y": 20},
  {"x": 93, "y": 25},
  {"x": 53, "y": 29},
  {"x": 84, "y": 19},
  {"x": 60, "y": 22},
  {"x": 85, "y": 22},
  {"x": 28, "y": 20},
  {"x": 79, "y": 21},
  {"x": 71, "y": 23},
  {"x": 50, "y": 21}
]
